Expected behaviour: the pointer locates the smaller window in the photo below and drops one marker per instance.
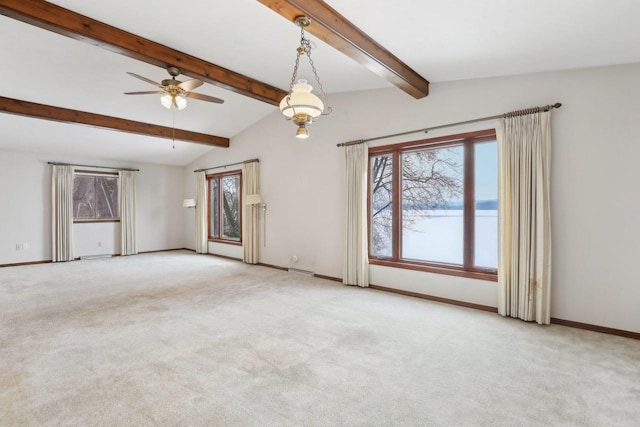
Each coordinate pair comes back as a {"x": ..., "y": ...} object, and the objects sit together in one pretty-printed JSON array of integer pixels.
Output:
[
  {"x": 95, "y": 197},
  {"x": 224, "y": 207}
]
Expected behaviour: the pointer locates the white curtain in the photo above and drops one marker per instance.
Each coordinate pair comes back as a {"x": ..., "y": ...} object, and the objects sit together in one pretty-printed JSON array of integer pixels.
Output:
[
  {"x": 128, "y": 244},
  {"x": 62, "y": 213},
  {"x": 356, "y": 262},
  {"x": 250, "y": 185},
  {"x": 201, "y": 213},
  {"x": 524, "y": 271}
]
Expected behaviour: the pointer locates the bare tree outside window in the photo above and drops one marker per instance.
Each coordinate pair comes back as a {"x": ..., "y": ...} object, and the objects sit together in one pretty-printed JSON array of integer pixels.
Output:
[
  {"x": 95, "y": 197},
  {"x": 381, "y": 205},
  {"x": 231, "y": 207},
  {"x": 431, "y": 181},
  {"x": 433, "y": 205},
  {"x": 432, "y": 192},
  {"x": 224, "y": 206},
  {"x": 214, "y": 218}
]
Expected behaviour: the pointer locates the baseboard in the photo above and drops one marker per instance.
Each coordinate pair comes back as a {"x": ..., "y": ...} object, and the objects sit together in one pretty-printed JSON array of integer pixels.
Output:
[
  {"x": 596, "y": 328},
  {"x": 191, "y": 250},
  {"x": 335, "y": 279},
  {"x": 162, "y": 250},
  {"x": 225, "y": 257},
  {"x": 20, "y": 264},
  {"x": 319, "y": 276},
  {"x": 436, "y": 299},
  {"x": 277, "y": 267},
  {"x": 556, "y": 321},
  {"x": 78, "y": 258}
]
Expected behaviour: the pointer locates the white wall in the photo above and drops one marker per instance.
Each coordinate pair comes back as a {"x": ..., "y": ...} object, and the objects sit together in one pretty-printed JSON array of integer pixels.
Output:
[
  {"x": 25, "y": 209},
  {"x": 594, "y": 179},
  {"x": 25, "y": 194}
]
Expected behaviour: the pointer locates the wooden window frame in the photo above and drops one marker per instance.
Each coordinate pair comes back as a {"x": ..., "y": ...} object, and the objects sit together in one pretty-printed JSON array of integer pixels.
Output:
[
  {"x": 219, "y": 176},
  {"x": 97, "y": 173},
  {"x": 467, "y": 269}
]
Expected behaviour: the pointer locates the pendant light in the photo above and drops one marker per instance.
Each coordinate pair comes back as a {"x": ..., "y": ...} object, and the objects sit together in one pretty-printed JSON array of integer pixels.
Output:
[{"x": 301, "y": 105}]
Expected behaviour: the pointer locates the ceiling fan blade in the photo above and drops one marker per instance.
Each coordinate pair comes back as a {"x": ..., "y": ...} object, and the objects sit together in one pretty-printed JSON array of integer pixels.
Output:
[
  {"x": 202, "y": 97},
  {"x": 153, "y": 92},
  {"x": 144, "y": 79},
  {"x": 190, "y": 85}
]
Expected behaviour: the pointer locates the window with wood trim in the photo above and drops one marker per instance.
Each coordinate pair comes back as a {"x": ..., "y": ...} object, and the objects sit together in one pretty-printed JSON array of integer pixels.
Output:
[
  {"x": 433, "y": 205},
  {"x": 96, "y": 197},
  {"x": 225, "y": 210}
]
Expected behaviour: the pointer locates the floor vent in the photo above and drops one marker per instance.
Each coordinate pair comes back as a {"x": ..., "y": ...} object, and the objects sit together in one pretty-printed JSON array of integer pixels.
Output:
[
  {"x": 95, "y": 256},
  {"x": 297, "y": 270}
]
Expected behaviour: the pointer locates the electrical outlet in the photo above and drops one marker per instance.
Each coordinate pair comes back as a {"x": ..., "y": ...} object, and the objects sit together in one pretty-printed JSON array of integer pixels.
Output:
[
  {"x": 25, "y": 246},
  {"x": 18, "y": 246},
  {"x": 294, "y": 258},
  {"x": 99, "y": 244}
]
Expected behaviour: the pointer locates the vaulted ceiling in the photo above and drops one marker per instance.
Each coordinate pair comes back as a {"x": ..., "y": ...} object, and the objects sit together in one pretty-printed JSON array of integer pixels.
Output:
[{"x": 441, "y": 40}]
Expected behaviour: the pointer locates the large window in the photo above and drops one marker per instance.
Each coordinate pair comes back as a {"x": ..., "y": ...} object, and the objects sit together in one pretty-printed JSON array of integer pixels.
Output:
[
  {"x": 95, "y": 197},
  {"x": 433, "y": 205},
  {"x": 224, "y": 207}
]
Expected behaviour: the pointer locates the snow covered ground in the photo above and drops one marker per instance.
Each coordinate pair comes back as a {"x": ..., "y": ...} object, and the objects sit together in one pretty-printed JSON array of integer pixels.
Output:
[{"x": 439, "y": 236}]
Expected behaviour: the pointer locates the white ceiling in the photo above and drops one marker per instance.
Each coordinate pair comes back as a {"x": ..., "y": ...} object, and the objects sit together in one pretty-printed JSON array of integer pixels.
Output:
[{"x": 441, "y": 39}]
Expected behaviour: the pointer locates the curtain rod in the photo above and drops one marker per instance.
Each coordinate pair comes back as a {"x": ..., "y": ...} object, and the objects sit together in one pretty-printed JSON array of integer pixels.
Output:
[
  {"x": 230, "y": 164},
  {"x": 482, "y": 119},
  {"x": 93, "y": 166}
]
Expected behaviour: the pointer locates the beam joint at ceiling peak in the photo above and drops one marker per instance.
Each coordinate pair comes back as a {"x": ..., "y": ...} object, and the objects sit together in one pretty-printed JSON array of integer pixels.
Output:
[
  {"x": 62, "y": 21},
  {"x": 337, "y": 31}
]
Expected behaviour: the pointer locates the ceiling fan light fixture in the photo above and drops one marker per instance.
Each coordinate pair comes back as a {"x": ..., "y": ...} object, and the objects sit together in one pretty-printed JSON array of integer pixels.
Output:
[
  {"x": 166, "y": 101},
  {"x": 181, "y": 102},
  {"x": 174, "y": 93},
  {"x": 300, "y": 105}
]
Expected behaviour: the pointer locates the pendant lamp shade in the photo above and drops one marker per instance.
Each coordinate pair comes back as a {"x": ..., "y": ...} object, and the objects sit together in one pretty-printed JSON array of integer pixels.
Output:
[{"x": 301, "y": 101}]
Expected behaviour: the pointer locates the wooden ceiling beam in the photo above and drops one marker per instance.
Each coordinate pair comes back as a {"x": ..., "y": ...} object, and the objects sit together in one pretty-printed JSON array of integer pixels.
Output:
[
  {"x": 71, "y": 24},
  {"x": 334, "y": 29},
  {"x": 65, "y": 115}
]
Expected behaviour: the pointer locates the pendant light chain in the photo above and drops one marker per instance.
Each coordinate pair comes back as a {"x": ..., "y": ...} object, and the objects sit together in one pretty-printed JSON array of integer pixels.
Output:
[
  {"x": 305, "y": 47},
  {"x": 301, "y": 105},
  {"x": 295, "y": 68}
]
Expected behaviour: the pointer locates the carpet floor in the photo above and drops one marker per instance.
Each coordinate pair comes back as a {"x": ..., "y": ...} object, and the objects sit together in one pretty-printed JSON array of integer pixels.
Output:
[{"x": 178, "y": 339}]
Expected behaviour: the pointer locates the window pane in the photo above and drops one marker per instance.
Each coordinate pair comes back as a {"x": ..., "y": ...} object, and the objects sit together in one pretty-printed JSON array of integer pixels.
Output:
[
  {"x": 433, "y": 205},
  {"x": 106, "y": 189},
  {"x": 381, "y": 244},
  {"x": 84, "y": 196},
  {"x": 486, "y": 198},
  {"x": 231, "y": 207},
  {"x": 214, "y": 193}
]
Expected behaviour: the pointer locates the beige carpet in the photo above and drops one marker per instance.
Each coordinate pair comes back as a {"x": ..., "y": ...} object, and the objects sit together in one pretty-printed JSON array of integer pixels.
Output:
[{"x": 178, "y": 339}]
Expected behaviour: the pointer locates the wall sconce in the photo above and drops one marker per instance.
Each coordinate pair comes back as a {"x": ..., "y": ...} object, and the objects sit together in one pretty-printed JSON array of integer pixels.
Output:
[
  {"x": 254, "y": 199},
  {"x": 189, "y": 203}
]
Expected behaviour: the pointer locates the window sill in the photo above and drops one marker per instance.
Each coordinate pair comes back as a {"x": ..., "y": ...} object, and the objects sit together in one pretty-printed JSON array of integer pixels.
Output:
[
  {"x": 451, "y": 271},
  {"x": 228, "y": 242}
]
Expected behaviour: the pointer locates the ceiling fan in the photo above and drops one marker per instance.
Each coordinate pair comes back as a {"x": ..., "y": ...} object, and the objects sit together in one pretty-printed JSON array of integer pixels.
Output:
[{"x": 174, "y": 92}]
